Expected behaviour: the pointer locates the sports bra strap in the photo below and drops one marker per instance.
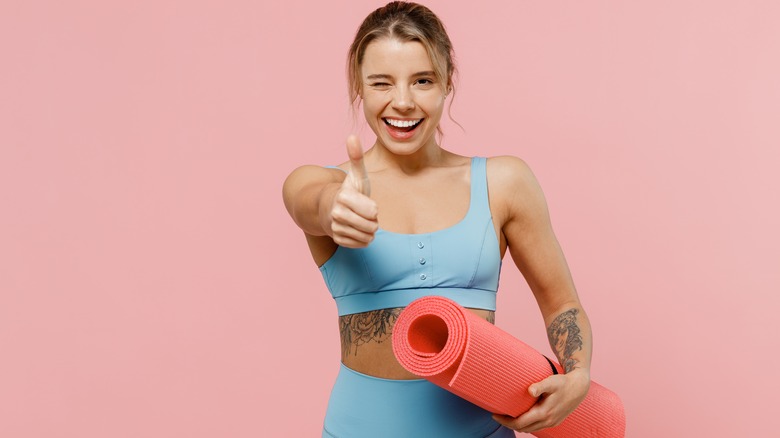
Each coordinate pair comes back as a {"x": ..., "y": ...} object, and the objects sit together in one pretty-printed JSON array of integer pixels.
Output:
[
  {"x": 336, "y": 167},
  {"x": 479, "y": 187}
]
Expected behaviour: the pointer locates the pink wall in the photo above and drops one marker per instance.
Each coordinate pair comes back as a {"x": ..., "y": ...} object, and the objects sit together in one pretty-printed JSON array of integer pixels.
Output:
[{"x": 152, "y": 285}]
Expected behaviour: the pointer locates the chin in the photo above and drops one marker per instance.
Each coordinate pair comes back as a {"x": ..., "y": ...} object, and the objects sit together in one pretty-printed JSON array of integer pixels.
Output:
[{"x": 402, "y": 148}]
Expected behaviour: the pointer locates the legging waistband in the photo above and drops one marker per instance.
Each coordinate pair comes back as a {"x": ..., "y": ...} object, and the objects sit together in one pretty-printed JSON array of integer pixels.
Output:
[{"x": 361, "y": 405}]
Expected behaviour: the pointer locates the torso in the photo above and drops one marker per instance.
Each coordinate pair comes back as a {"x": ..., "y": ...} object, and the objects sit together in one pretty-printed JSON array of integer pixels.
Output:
[
  {"x": 434, "y": 199},
  {"x": 366, "y": 342}
]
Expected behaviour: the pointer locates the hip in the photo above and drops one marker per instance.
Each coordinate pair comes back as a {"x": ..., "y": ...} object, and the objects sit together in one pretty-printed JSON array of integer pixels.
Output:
[{"x": 361, "y": 405}]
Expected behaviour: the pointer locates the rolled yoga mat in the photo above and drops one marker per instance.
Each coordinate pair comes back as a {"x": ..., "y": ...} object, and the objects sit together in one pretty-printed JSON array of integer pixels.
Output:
[{"x": 439, "y": 340}]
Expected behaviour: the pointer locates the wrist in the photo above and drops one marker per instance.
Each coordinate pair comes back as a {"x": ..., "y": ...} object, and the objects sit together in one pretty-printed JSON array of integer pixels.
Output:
[
  {"x": 580, "y": 370},
  {"x": 581, "y": 375}
]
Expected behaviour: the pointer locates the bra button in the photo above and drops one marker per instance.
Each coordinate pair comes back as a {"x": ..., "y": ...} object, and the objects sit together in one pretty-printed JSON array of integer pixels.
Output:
[
  {"x": 423, "y": 277},
  {"x": 422, "y": 260},
  {"x": 420, "y": 245}
]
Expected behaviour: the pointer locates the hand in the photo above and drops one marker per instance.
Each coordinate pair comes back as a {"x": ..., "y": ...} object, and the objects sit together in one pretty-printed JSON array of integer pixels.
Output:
[
  {"x": 560, "y": 395},
  {"x": 353, "y": 214}
]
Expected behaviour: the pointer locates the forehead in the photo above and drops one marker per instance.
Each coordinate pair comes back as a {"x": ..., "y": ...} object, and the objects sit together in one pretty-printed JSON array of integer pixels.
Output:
[{"x": 395, "y": 58}]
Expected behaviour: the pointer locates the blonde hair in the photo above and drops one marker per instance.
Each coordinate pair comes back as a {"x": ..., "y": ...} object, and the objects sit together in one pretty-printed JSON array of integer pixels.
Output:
[{"x": 404, "y": 21}]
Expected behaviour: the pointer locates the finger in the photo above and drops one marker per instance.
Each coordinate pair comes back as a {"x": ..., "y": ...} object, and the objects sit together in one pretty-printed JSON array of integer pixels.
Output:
[
  {"x": 541, "y": 419},
  {"x": 350, "y": 243},
  {"x": 545, "y": 386},
  {"x": 534, "y": 419},
  {"x": 351, "y": 237},
  {"x": 521, "y": 422},
  {"x": 533, "y": 427},
  {"x": 345, "y": 217},
  {"x": 503, "y": 420},
  {"x": 356, "y": 202},
  {"x": 538, "y": 415},
  {"x": 358, "y": 168}
]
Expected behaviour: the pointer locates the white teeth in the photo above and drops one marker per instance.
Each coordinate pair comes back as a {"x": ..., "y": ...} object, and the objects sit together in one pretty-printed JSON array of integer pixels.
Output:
[{"x": 403, "y": 123}]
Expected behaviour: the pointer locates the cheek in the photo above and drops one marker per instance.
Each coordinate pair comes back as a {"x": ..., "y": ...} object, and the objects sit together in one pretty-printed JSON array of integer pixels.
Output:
[
  {"x": 435, "y": 110},
  {"x": 371, "y": 107},
  {"x": 368, "y": 112},
  {"x": 433, "y": 103}
]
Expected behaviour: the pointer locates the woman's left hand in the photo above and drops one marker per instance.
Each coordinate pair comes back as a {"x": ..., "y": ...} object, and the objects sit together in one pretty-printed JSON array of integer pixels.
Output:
[{"x": 560, "y": 395}]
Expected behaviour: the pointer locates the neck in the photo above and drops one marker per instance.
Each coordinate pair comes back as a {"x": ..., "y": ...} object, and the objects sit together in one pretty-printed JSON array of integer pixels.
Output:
[{"x": 427, "y": 156}]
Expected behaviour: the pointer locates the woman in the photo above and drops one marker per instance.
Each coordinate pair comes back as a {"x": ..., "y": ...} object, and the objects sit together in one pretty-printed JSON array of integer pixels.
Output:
[{"x": 407, "y": 219}]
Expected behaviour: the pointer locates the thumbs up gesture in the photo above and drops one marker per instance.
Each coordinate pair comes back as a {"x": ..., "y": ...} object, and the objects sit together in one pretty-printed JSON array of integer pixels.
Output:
[
  {"x": 357, "y": 177},
  {"x": 353, "y": 213}
]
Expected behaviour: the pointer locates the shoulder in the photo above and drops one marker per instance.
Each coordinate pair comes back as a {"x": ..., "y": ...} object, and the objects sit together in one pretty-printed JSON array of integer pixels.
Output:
[
  {"x": 511, "y": 173},
  {"x": 513, "y": 185},
  {"x": 310, "y": 175}
]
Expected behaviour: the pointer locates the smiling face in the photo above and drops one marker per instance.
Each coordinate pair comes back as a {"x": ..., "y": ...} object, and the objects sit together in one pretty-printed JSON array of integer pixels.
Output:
[{"x": 402, "y": 99}]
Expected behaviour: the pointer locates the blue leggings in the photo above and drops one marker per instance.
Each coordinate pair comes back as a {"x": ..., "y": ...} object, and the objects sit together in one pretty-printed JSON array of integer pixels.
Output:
[{"x": 363, "y": 406}]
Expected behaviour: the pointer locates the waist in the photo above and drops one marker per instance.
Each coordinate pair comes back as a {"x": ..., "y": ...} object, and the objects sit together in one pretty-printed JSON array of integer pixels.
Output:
[
  {"x": 361, "y": 405},
  {"x": 366, "y": 342},
  {"x": 367, "y": 301}
]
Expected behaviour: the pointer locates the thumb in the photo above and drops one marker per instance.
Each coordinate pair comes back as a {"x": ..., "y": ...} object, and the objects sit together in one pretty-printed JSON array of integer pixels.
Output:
[
  {"x": 357, "y": 167},
  {"x": 545, "y": 386}
]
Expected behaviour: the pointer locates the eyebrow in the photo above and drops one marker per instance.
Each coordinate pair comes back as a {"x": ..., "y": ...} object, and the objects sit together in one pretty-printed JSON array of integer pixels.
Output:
[{"x": 386, "y": 76}]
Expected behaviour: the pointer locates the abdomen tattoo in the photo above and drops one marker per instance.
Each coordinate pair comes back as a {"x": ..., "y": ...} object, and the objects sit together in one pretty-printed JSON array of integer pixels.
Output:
[
  {"x": 360, "y": 328},
  {"x": 373, "y": 326}
]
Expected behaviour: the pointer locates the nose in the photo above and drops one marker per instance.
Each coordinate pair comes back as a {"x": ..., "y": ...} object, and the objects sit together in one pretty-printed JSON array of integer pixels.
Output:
[{"x": 403, "y": 100}]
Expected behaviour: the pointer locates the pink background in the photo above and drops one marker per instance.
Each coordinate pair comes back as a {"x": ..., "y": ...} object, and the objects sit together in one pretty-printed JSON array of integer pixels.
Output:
[{"x": 152, "y": 284}]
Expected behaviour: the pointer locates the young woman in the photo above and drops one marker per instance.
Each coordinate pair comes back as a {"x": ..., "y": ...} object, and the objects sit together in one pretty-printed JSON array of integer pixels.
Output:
[{"x": 408, "y": 219}]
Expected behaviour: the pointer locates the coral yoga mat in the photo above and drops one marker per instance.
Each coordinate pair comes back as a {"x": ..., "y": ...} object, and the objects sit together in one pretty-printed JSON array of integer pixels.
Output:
[{"x": 439, "y": 340}]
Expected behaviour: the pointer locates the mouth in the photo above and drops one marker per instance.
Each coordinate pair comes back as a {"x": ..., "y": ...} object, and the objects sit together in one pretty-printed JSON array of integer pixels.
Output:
[{"x": 402, "y": 125}]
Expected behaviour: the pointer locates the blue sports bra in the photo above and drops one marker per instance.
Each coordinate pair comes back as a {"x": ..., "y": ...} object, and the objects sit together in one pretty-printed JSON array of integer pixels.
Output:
[{"x": 461, "y": 262}]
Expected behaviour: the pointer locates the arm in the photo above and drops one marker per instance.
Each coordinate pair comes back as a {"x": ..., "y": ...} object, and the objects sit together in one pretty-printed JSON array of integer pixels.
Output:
[
  {"x": 324, "y": 202},
  {"x": 537, "y": 254},
  {"x": 306, "y": 192}
]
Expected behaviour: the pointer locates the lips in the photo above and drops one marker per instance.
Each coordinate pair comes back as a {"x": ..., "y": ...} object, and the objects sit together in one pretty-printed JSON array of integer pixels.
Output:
[{"x": 402, "y": 129}]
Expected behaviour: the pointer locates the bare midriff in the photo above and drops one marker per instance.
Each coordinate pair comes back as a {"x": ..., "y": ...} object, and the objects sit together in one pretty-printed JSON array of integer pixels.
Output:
[{"x": 366, "y": 342}]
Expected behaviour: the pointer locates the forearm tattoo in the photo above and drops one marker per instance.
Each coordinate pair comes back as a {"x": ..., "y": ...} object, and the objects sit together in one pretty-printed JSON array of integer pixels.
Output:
[
  {"x": 360, "y": 328},
  {"x": 565, "y": 339}
]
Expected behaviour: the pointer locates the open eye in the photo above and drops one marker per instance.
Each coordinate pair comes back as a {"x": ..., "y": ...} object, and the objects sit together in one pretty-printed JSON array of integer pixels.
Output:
[{"x": 425, "y": 83}]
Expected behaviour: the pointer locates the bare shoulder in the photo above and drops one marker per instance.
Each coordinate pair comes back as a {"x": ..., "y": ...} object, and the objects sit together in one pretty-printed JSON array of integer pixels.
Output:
[
  {"x": 308, "y": 176},
  {"x": 507, "y": 166},
  {"x": 311, "y": 174},
  {"x": 514, "y": 188},
  {"x": 510, "y": 176}
]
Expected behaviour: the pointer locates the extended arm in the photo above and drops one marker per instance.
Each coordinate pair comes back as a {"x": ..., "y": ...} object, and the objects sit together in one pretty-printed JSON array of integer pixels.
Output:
[{"x": 323, "y": 202}]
